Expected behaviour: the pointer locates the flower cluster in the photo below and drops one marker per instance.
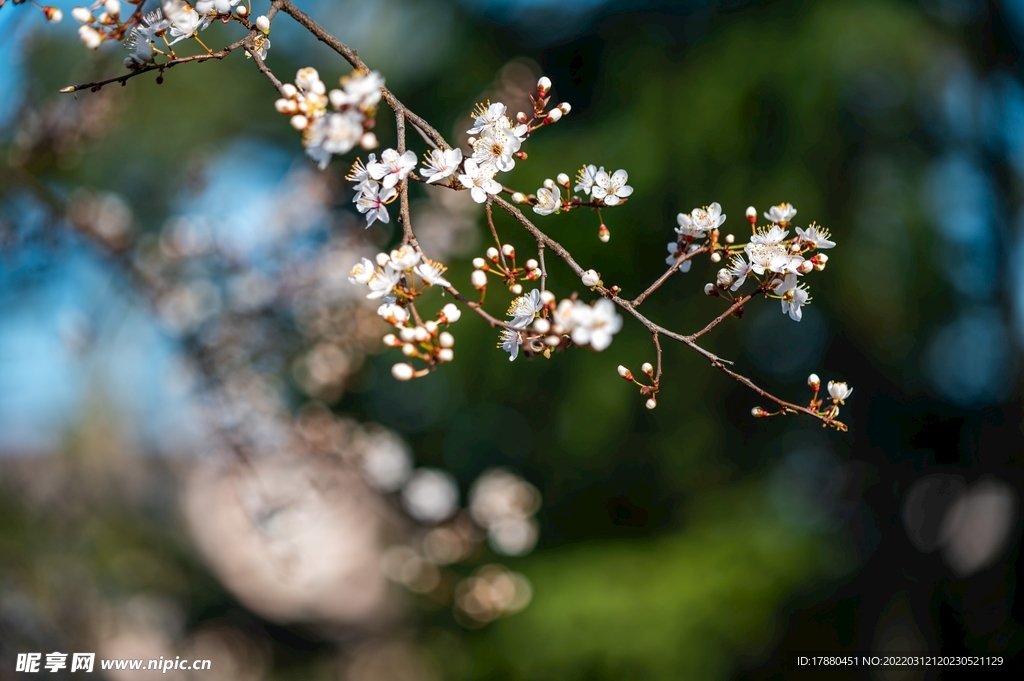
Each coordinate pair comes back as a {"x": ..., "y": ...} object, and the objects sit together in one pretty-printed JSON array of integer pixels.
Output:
[
  {"x": 601, "y": 189},
  {"x": 376, "y": 181},
  {"x": 649, "y": 391},
  {"x": 838, "y": 393},
  {"x": 336, "y": 131},
  {"x": 503, "y": 265}
]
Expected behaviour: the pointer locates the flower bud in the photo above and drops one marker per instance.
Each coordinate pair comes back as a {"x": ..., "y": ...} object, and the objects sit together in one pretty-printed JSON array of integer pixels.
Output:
[
  {"x": 521, "y": 117},
  {"x": 90, "y": 37},
  {"x": 479, "y": 263},
  {"x": 241, "y": 10},
  {"x": 758, "y": 412},
  {"x": 446, "y": 340},
  {"x": 82, "y": 15},
  {"x": 591, "y": 278},
  {"x": 552, "y": 341},
  {"x": 716, "y": 257},
  {"x": 751, "y": 214},
  {"x": 806, "y": 266},
  {"x": 647, "y": 368},
  {"x": 288, "y": 90},
  {"x": 509, "y": 250},
  {"x": 562, "y": 179},
  {"x": 451, "y": 312},
  {"x": 518, "y": 197},
  {"x": 651, "y": 403},
  {"x": 565, "y": 107},
  {"x": 814, "y": 382},
  {"x": 263, "y": 23},
  {"x": 625, "y": 373},
  {"x": 531, "y": 264},
  {"x": 723, "y": 278},
  {"x": 445, "y": 355},
  {"x": 407, "y": 334},
  {"x": 421, "y": 334},
  {"x": 113, "y": 7},
  {"x": 369, "y": 141},
  {"x": 382, "y": 259},
  {"x": 402, "y": 371},
  {"x": 730, "y": 238},
  {"x": 409, "y": 350},
  {"x": 547, "y": 297},
  {"x": 430, "y": 325},
  {"x": 543, "y": 85},
  {"x": 300, "y": 122},
  {"x": 53, "y": 14},
  {"x": 554, "y": 115},
  {"x": 541, "y": 325},
  {"x": 603, "y": 234},
  {"x": 516, "y": 288},
  {"x": 549, "y": 184},
  {"x": 283, "y": 105},
  {"x": 710, "y": 290},
  {"x": 478, "y": 279},
  {"x": 392, "y": 341},
  {"x": 492, "y": 254}
]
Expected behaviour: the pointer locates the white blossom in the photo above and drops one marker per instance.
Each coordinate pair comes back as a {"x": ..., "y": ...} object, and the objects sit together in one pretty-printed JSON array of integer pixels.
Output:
[
  {"x": 781, "y": 214},
  {"x": 360, "y": 176},
  {"x": 185, "y": 21},
  {"x": 699, "y": 221},
  {"x": 611, "y": 189},
  {"x": 772, "y": 236},
  {"x": 441, "y": 163},
  {"x": 739, "y": 269},
  {"x": 793, "y": 296},
  {"x": 839, "y": 391},
  {"x": 524, "y": 309},
  {"x": 818, "y": 236},
  {"x": 591, "y": 278},
  {"x": 394, "y": 314},
  {"x": 360, "y": 91},
  {"x": 431, "y": 273},
  {"x": 585, "y": 179},
  {"x": 392, "y": 167},
  {"x": 335, "y": 133},
  {"x": 485, "y": 119},
  {"x": 509, "y": 341},
  {"x": 595, "y": 325},
  {"x": 496, "y": 148},
  {"x": 383, "y": 282},
  {"x": 548, "y": 200},
  {"x": 430, "y": 495},
  {"x": 479, "y": 180},
  {"x": 372, "y": 201},
  {"x": 218, "y": 6},
  {"x": 362, "y": 271},
  {"x": 674, "y": 253},
  {"x": 404, "y": 258}
]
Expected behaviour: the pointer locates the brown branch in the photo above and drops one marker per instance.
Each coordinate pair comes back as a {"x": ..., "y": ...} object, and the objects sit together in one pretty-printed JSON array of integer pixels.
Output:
[
  {"x": 403, "y": 191},
  {"x": 657, "y": 345},
  {"x": 494, "y": 233},
  {"x": 739, "y": 303},
  {"x": 671, "y": 270}
]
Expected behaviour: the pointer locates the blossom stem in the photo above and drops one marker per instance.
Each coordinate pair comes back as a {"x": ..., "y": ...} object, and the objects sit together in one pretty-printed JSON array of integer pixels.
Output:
[{"x": 671, "y": 270}]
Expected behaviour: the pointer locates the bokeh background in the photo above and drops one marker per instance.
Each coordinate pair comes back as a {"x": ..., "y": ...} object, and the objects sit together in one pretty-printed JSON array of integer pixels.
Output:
[{"x": 174, "y": 315}]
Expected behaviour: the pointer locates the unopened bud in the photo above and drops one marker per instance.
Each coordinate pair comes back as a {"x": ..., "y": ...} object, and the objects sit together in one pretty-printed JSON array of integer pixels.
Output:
[
  {"x": 113, "y": 7},
  {"x": 751, "y": 214},
  {"x": 603, "y": 234},
  {"x": 516, "y": 289},
  {"x": 451, "y": 312},
  {"x": 565, "y": 107},
  {"x": 242, "y": 10},
  {"x": 402, "y": 371},
  {"x": 53, "y": 14},
  {"x": 518, "y": 197},
  {"x": 445, "y": 355},
  {"x": 549, "y": 184},
  {"x": 730, "y": 238},
  {"x": 509, "y": 250},
  {"x": 82, "y": 15},
  {"x": 716, "y": 257},
  {"x": 531, "y": 264},
  {"x": 478, "y": 279},
  {"x": 543, "y": 85},
  {"x": 479, "y": 263},
  {"x": 562, "y": 179},
  {"x": 369, "y": 141},
  {"x": 430, "y": 325},
  {"x": 300, "y": 122},
  {"x": 446, "y": 340},
  {"x": 407, "y": 334},
  {"x": 288, "y": 90},
  {"x": 625, "y": 373},
  {"x": 421, "y": 334},
  {"x": 408, "y": 349},
  {"x": 552, "y": 341},
  {"x": 758, "y": 413},
  {"x": 723, "y": 278},
  {"x": 651, "y": 403},
  {"x": 492, "y": 254},
  {"x": 806, "y": 266},
  {"x": 591, "y": 278},
  {"x": 391, "y": 341},
  {"x": 541, "y": 325},
  {"x": 382, "y": 259},
  {"x": 554, "y": 115},
  {"x": 521, "y": 117},
  {"x": 647, "y": 368},
  {"x": 710, "y": 290},
  {"x": 263, "y": 23},
  {"x": 547, "y": 297},
  {"x": 814, "y": 382}
]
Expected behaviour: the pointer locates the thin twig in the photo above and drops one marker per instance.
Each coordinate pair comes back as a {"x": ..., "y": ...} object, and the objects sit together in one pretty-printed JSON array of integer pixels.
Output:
[{"x": 663, "y": 278}]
